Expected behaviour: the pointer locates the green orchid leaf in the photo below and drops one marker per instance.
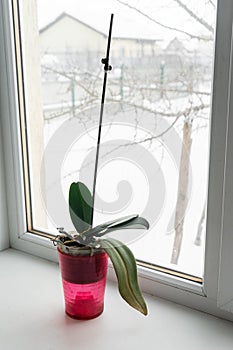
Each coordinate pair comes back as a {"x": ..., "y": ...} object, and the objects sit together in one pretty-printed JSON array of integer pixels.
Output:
[
  {"x": 80, "y": 206},
  {"x": 126, "y": 271},
  {"x": 113, "y": 223},
  {"x": 122, "y": 221},
  {"x": 137, "y": 222}
]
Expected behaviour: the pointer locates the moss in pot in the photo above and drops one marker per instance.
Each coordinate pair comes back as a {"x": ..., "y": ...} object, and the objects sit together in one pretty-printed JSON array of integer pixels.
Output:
[{"x": 83, "y": 258}]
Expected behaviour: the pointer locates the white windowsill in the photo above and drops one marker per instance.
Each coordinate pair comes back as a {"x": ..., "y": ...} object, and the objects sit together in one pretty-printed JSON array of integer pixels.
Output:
[{"x": 32, "y": 316}]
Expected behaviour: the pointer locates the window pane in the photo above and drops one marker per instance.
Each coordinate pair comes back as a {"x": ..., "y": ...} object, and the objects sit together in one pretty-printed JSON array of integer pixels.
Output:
[{"x": 155, "y": 136}]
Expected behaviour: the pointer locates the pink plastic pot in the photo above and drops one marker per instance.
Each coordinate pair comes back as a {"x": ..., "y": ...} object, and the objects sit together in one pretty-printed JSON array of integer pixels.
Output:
[{"x": 84, "y": 281}]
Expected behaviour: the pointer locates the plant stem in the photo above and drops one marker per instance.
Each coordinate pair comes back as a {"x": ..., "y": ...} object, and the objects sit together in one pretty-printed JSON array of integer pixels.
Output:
[{"x": 107, "y": 67}]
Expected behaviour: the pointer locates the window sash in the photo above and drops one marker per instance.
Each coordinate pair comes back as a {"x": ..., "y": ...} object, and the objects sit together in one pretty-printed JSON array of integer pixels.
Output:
[
  {"x": 225, "y": 290},
  {"x": 210, "y": 296}
]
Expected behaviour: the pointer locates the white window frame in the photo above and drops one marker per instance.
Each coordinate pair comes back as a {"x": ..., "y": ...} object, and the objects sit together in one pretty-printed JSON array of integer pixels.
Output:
[{"x": 215, "y": 295}]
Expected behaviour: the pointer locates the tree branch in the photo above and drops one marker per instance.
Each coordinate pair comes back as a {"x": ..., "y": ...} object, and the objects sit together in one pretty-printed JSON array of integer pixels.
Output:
[
  {"x": 212, "y": 3},
  {"x": 192, "y": 36},
  {"x": 193, "y": 14},
  {"x": 66, "y": 75}
]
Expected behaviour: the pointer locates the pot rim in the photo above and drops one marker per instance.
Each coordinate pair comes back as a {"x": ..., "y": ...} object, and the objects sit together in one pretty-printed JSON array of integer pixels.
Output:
[{"x": 78, "y": 251}]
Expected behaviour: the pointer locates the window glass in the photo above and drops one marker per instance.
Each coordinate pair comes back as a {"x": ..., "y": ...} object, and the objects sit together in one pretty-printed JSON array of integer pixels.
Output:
[{"x": 155, "y": 136}]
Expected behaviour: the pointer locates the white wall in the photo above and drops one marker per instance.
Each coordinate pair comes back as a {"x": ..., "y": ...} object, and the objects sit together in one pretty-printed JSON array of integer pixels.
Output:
[{"x": 73, "y": 36}]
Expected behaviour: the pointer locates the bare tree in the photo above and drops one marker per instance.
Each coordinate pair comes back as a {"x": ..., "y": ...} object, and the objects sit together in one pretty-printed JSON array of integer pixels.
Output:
[
  {"x": 200, "y": 227},
  {"x": 181, "y": 203}
]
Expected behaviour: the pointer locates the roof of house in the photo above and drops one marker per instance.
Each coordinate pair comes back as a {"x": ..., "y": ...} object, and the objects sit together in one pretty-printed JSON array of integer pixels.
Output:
[{"x": 66, "y": 15}]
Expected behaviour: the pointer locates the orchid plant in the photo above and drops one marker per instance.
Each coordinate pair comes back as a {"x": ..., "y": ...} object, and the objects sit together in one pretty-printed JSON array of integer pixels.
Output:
[{"x": 123, "y": 260}]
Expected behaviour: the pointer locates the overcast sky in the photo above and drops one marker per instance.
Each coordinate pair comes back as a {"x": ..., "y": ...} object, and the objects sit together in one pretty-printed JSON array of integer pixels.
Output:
[{"x": 127, "y": 22}]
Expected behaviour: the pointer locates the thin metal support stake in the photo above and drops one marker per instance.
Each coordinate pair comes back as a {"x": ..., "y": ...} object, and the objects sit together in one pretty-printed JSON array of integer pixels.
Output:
[{"x": 107, "y": 68}]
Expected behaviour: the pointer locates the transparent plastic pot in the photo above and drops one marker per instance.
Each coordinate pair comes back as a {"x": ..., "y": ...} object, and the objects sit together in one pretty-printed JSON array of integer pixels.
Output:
[{"x": 84, "y": 280}]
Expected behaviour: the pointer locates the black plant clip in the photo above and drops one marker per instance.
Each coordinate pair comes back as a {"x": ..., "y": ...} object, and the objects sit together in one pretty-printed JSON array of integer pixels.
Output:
[{"x": 107, "y": 67}]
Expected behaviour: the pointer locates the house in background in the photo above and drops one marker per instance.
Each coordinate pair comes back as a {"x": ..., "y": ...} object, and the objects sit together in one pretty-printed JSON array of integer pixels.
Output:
[
  {"x": 71, "y": 49},
  {"x": 64, "y": 38}
]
